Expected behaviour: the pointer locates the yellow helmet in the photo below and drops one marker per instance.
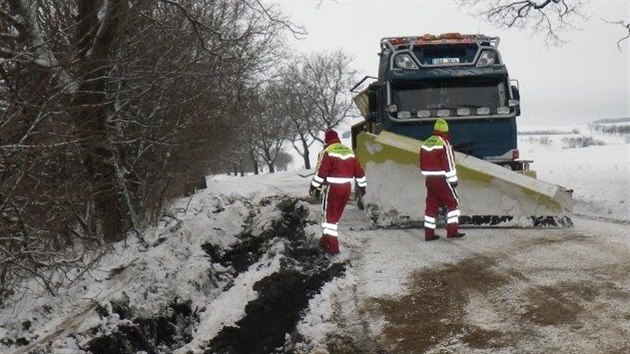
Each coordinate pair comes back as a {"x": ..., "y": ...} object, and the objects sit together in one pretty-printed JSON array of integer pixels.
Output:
[{"x": 441, "y": 126}]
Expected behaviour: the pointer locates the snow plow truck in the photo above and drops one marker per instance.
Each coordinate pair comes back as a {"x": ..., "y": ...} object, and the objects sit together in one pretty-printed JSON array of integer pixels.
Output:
[{"x": 462, "y": 79}]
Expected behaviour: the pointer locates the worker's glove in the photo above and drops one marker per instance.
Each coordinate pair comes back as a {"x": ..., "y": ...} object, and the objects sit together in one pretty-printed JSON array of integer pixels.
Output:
[
  {"x": 361, "y": 191},
  {"x": 311, "y": 190}
]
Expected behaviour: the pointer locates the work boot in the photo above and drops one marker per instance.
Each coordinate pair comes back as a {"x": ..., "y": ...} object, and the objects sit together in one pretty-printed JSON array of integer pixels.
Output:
[
  {"x": 329, "y": 244},
  {"x": 323, "y": 243},
  {"x": 333, "y": 244},
  {"x": 429, "y": 234},
  {"x": 457, "y": 235},
  {"x": 431, "y": 238}
]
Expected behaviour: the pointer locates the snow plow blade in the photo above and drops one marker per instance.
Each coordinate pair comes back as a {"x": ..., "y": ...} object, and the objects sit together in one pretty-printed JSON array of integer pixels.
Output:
[{"x": 489, "y": 194}]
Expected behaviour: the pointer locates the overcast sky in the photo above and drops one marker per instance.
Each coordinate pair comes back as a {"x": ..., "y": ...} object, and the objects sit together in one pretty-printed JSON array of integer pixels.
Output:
[{"x": 583, "y": 80}]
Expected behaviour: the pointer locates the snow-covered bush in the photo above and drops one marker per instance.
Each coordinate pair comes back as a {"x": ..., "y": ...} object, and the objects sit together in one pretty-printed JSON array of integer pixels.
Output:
[
  {"x": 542, "y": 140},
  {"x": 580, "y": 142}
]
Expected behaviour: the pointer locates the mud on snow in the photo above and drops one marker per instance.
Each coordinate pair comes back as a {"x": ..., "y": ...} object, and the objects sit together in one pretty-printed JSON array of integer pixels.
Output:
[
  {"x": 270, "y": 319},
  {"x": 275, "y": 230}
]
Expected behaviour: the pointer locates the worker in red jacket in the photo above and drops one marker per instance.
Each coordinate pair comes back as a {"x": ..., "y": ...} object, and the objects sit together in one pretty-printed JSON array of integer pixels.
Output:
[
  {"x": 437, "y": 165},
  {"x": 336, "y": 171}
]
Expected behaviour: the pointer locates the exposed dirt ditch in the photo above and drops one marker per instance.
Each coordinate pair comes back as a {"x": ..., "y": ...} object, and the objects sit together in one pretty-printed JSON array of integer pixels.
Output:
[{"x": 282, "y": 297}]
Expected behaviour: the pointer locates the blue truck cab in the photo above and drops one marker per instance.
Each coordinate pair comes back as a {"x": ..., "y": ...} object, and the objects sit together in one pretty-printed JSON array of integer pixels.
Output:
[{"x": 460, "y": 78}]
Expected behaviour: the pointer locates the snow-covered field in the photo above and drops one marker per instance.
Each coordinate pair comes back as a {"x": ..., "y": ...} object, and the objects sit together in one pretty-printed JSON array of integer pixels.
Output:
[
  {"x": 236, "y": 269},
  {"x": 599, "y": 175}
]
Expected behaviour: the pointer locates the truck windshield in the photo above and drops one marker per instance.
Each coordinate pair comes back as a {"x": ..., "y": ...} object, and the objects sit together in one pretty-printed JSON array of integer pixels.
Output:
[{"x": 414, "y": 96}]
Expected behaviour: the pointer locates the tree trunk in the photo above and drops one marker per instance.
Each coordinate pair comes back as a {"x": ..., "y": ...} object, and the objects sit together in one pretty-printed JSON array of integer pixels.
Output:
[
  {"x": 252, "y": 156},
  {"x": 306, "y": 155},
  {"x": 270, "y": 162},
  {"x": 95, "y": 40}
]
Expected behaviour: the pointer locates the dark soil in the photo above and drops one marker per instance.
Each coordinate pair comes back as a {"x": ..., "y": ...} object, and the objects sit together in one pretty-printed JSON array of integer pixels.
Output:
[
  {"x": 251, "y": 248},
  {"x": 170, "y": 330},
  {"x": 270, "y": 320},
  {"x": 283, "y": 296}
]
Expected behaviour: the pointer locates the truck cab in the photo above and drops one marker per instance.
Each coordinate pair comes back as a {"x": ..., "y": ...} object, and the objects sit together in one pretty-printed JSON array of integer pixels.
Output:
[{"x": 460, "y": 78}]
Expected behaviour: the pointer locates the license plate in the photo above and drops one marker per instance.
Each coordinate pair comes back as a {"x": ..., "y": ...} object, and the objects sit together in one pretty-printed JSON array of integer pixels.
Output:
[{"x": 445, "y": 60}]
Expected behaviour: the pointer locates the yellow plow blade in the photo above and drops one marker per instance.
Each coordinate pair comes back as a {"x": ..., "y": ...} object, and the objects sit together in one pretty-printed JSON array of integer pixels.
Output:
[{"x": 488, "y": 193}]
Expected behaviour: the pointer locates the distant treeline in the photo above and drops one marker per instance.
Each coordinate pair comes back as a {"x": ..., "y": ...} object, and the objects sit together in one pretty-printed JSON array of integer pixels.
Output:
[
  {"x": 612, "y": 120},
  {"x": 581, "y": 142},
  {"x": 613, "y": 129},
  {"x": 549, "y": 132}
]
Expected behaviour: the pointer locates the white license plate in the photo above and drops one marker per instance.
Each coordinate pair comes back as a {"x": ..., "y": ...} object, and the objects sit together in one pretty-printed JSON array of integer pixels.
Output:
[{"x": 445, "y": 60}]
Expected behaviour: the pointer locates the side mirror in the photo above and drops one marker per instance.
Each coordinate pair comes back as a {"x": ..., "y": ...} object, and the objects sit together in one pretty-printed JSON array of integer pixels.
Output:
[
  {"x": 375, "y": 96},
  {"x": 516, "y": 101},
  {"x": 372, "y": 99}
]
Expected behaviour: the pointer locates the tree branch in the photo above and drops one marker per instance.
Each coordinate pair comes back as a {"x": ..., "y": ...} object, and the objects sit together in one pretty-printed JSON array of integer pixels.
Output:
[
  {"x": 44, "y": 56},
  {"x": 625, "y": 25},
  {"x": 196, "y": 24},
  {"x": 549, "y": 16}
]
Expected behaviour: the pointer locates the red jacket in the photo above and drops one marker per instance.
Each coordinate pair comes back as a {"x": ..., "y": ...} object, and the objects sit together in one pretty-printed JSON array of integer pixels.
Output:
[
  {"x": 338, "y": 165},
  {"x": 437, "y": 159}
]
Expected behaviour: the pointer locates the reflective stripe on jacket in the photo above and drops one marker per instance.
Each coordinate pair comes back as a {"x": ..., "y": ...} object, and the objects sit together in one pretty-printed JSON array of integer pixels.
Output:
[
  {"x": 437, "y": 158},
  {"x": 338, "y": 165}
]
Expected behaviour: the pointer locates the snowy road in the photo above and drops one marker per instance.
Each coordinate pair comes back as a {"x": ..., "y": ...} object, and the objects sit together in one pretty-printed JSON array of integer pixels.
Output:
[{"x": 496, "y": 290}]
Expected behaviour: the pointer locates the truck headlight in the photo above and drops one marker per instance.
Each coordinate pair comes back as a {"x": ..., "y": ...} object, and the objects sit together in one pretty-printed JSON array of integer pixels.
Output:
[
  {"x": 503, "y": 110},
  {"x": 443, "y": 113},
  {"x": 404, "y": 61},
  {"x": 423, "y": 113},
  {"x": 463, "y": 111},
  {"x": 404, "y": 114},
  {"x": 483, "y": 110},
  {"x": 487, "y": 58},
  {"x": 513, "y": 102}
]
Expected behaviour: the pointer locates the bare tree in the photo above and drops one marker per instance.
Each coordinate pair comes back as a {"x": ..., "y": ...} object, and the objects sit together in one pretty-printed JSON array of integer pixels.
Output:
[
  {"x": 298, "y": 110},
  {"x": 549, "y": 17},
  {"x": 314, "y": 95},
  {"x": 325, "y": 80},
  {"x": 269, "y": 126},
  {"x": 282, "y": 161},
  {"x": 109, "y": 108}
]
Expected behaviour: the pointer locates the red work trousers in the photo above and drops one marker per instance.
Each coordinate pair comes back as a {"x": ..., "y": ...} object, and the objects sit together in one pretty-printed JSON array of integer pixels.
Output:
[
  {"x": 440, "y": 192},
  {"x": 334, "y": 199}
]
